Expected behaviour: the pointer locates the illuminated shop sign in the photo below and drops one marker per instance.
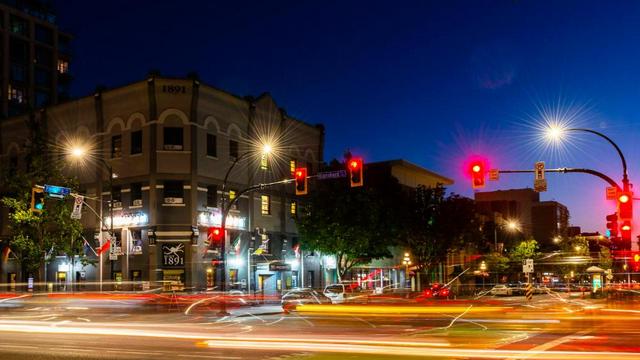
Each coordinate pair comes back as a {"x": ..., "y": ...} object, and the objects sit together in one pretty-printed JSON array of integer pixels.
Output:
[
  {"x": 214, "y": 218},
  {"x": 127, "y": 220}
]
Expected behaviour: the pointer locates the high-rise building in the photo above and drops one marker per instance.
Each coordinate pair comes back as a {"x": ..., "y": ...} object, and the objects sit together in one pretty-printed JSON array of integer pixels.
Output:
[{"x": 34, "y": 60}]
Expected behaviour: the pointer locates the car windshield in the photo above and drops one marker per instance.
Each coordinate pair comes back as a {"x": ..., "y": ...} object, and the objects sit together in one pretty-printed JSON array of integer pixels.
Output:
[{"x": 335, "y": 289}]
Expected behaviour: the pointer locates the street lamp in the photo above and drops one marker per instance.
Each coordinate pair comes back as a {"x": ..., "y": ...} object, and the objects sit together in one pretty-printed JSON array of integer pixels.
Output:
[
  {"x": 511, "y": 225},
  {"x": 266, "y": 149},
  {"x": 406, "y": 261},
  {"x": 483, "y": 269},
  {"x": 80, "y": 155}
]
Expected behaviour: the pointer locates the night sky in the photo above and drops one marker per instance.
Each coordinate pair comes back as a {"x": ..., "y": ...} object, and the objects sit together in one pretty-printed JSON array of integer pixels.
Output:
[{"x": 431, "y": 82}]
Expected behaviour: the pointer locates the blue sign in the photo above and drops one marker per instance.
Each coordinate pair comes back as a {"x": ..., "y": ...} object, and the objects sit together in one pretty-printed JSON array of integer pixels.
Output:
[{"x": 56, "y": 191}]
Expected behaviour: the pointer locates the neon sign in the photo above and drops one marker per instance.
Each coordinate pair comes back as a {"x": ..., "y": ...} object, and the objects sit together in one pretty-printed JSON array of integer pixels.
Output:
[
  {"x": 207, "y": 218},
  {"x": 127, "y": 220}
]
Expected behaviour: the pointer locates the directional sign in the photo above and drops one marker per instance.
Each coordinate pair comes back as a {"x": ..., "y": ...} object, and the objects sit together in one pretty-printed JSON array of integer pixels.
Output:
[
  {"x": 611, "y": 193},
  {"x": 494, "y": 175},
  {"x": 539, "y": 168},
  {"x": 527, "y": 266}
]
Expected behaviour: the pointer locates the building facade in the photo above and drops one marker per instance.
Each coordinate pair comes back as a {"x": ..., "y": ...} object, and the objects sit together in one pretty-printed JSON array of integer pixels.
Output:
[
  {"x": 169, "y": 143},
  {"x": 35, "y": 57}
]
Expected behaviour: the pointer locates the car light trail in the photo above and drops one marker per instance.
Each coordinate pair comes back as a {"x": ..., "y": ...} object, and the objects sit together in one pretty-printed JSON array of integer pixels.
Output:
[{"x": 395, "y": 310}]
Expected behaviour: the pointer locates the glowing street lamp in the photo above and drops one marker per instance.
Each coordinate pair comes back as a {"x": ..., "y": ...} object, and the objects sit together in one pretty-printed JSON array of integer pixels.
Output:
[{"x": 513, "y": 225}]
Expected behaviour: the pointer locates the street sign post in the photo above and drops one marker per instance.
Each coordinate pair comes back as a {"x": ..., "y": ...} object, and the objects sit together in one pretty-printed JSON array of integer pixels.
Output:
[
  {"x": 77, "y": 207},
  {"x": 527, "y": 266},
  {"x": 332, "y": 174},
  {"x": 612, "y": 193},
  {"x": 494, "y": 175}
]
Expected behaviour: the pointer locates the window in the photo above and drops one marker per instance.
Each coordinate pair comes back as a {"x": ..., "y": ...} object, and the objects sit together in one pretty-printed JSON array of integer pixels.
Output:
[
  {"x": 136, "y": 142},
  {"x": 293, "y": 209},
  {"x": 212, "y": 196},
  {"x": 136, "y": 194},
  {"x": 173, "y": 191},
  {"x": 16, "y": 94},
  {"x": 43, "y": 77},
  {"x": 42, "y": 99},
  {"x": 265, "y": 204},
  {"x": 212, "y": 145},
  {"x": 292, "y": 167},
  {"x": 116, "y": 194},
  {"x": 19, "y": 25},
  {"x": 44, "y": 34},
  {"x": 116, "y": 146},
  {"x": 173, "y": 139},
  {"x": 19, "y": 50},
  {"x": 63, "y": 66},
  {"x": 233, "y": 148},
  {"x": 18, "y": 72},
  {"x": 44, "y": 57},
  {"x": 264, "y": 162}
]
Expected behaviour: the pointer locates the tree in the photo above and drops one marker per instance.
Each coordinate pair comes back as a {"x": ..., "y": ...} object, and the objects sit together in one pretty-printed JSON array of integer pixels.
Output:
[
  {"x": 437, "y": 225},
  {"x": 33, "y": 236},
  {"x": 354, "y": 224}
]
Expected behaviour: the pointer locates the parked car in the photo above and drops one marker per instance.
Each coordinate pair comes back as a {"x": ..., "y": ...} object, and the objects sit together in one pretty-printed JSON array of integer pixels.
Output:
[
  {"x": 503, "y": 290},
  {"x": 338, "y": 293},
  {"x": 302, "y": 296},
  {"x": 517, "y": 289}
]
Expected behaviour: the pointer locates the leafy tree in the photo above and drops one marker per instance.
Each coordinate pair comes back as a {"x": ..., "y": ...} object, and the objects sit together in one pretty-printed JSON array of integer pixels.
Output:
[
  {"x": 606, "y": 260},
  {"x": 35, "y": 235},
  {"x": 355, "y": 224},
  {"x": 526, "y": 249},
  {"x": 438, "y": 224}
]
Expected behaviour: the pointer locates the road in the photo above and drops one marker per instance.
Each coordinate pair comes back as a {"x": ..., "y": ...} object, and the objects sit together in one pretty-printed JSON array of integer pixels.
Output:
[{"x": 554, "y": 326}]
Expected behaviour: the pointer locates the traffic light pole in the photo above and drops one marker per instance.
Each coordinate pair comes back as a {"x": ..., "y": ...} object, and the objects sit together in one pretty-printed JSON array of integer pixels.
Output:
[{"x": 602, "y": 176}]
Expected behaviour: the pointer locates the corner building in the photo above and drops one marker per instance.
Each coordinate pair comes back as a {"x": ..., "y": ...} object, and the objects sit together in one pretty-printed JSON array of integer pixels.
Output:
[{"x": 170, "y": 143}]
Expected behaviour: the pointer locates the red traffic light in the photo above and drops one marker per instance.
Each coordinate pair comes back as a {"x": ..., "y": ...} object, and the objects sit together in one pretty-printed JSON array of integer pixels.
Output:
[
  {"x": 625, "y": 233},
  {"x": 355, "y": 172},
  {"x": 301, "y": 181},
  {"x": 625, "y": 205},
  {"x": 215, "y": 234},
  {"x": 478, "y": 173}
]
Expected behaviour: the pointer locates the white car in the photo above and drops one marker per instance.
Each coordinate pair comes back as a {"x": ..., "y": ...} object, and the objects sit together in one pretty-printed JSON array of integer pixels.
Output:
[
  {"x": 502, "y": 290},
  {"x": 338, "y": 293}
]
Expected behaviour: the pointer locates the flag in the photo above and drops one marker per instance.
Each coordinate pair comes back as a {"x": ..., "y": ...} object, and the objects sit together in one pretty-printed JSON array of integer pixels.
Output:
[
  {"x": 88, "y": 246},
  {"x": 104, "y": 247}
]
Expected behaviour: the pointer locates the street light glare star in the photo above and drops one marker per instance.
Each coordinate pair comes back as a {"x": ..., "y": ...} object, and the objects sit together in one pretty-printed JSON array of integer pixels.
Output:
[
  {"x": 266, "y": 149},
  {"x": 555, "y": 132},
  {"x": 77, "y": 152}
]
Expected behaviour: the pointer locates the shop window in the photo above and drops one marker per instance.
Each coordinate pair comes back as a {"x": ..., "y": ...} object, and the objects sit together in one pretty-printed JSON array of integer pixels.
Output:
[
  {"x": 173, "y": 138},
  {"x": 212, "y": 196},
  {"x": 173, "y": 192},
  {"x": 136, "y": 142},
  {"x": 212, "y": 145},
  {"x": 116, "y": 146},
  {"x": 233, "y": 148},
  {"x": 265, "y": 204},
  {"x": 136, "y": 194},
  {"x": 233, "y": 276}
]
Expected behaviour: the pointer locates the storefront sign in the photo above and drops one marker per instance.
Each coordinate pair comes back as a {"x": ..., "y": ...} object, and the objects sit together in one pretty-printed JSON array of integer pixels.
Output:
[
  {"x": 172, "y": 254},
  {"x": 128, "y": 220},
  {"x": 214, "y": 218},
  {"x": 279, "y": 267}
]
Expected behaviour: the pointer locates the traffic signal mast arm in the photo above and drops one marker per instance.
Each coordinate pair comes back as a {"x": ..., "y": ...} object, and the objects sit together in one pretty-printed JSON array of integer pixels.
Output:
[{"x": 602, "y": 176}]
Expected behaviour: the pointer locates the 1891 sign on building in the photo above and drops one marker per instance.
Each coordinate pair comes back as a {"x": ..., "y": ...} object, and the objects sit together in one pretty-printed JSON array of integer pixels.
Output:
[{"x": 173, "y": 254}]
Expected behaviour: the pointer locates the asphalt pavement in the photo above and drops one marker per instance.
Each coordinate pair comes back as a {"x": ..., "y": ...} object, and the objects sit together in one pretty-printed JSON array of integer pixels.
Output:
[{"x": 552, "y": 326}]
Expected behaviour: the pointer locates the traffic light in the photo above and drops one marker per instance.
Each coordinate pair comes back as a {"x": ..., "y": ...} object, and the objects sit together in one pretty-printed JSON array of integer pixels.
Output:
[
  {"x": 301, "y": 181},
  {"x": 477, "y": 171},
  {"x": 215, "y": 235},
  {"x": 355, "y": 172},
  {"x": 625, "y": 232},
  {"x": 612, "y": 225},
  {"x": 37, "y": 200},
  {"x": 625, "y": 205}
]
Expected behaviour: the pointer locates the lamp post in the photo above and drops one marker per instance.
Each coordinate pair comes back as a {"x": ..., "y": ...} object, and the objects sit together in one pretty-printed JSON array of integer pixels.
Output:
[
  {"x": 224, "y": 209},
  {"x": 406, "y": 261},
  {"x": 79, "y": 153},
  {"x": 483, "y": 269}
]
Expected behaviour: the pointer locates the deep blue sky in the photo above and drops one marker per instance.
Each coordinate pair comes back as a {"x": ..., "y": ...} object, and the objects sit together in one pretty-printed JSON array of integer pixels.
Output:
[{"x": 430, "y": 82}]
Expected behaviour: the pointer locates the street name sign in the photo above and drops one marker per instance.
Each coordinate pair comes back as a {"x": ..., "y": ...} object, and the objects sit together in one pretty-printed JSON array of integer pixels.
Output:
[
  {"x": 332, "y": 174},
  {"x": 612, "y": 192}
]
